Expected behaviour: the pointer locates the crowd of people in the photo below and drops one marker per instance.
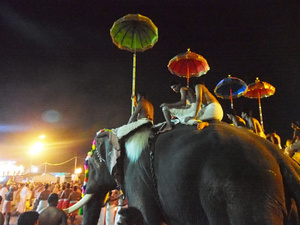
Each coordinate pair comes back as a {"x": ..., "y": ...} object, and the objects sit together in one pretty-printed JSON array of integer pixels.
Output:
[
  {"x": 44, "y": 204},
  {"x": 42, "y": 198}
]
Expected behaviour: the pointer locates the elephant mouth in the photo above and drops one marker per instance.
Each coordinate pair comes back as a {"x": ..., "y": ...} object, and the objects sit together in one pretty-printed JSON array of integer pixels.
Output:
[{"x": 86, "y": 198}]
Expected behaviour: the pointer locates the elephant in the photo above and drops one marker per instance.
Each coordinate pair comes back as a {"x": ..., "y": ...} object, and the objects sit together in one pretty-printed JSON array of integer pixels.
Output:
[{"x": 218, "y": 175}]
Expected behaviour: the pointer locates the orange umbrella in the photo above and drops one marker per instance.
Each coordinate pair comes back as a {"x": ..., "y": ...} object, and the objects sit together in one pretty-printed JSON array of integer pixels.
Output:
[
  {"x": 188, "y": 64},
  {"x": 259, "y": 89}
]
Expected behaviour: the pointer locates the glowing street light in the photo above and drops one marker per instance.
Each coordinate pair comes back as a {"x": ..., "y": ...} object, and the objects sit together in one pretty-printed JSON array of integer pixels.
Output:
[
  {"x": 78, "y": 170},
  {"x": 36, "y": 148}
]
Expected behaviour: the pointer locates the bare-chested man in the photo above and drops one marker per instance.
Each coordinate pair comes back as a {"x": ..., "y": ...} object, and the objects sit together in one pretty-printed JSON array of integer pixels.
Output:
[
  {"x": 65, "y": 196},
  {"x": 274, "y": 138},
  {"x": 252, "y": 123},
  {"x": 74, "y": 197},
  {"x": 236, "y": 120},
  {"x": 143, "y": 109},
  {"x": 207, "y": 107},
  {"x": 52, "y": 215},
  {"x": 296, "y": 133},
  {"x": 43, "y": 198},
  {"x": 180, "y": 109}
]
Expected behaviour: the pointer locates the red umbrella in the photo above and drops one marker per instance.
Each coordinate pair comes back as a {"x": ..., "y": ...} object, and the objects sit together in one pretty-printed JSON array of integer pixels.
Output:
[
  {"x": 259, "y": 89},
  {"x": 188, "y": 64}
]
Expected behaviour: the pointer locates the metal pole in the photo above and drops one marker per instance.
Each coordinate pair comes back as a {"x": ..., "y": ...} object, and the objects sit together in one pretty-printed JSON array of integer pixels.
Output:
[
  {"x": 133, "y": 82},
  {"x": 75, "y": 164}
]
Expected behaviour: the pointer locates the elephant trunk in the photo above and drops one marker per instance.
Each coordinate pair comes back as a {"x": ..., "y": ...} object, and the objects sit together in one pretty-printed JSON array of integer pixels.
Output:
[
  {"x": 91, "y": 211},
  {"x": 79, "y": 204}
]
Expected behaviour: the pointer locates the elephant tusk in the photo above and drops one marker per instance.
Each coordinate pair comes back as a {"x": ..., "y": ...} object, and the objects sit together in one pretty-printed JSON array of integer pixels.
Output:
[{"x": 79, "y": 204}]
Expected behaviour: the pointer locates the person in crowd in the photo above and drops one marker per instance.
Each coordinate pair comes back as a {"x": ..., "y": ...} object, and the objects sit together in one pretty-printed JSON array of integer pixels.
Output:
[
  {"x": 56, "y": 188},
  {"x": 7, "y": 205},
  {"x": 1, "y": 214},
  {"x": 52, "y": 215},
  {"x": 65, "y": 196},
  {"x": 28, "y": 218},
  {"x": 3, "y": 191},
  {"x": 38, "y": 190},
  {"x": 274, "y": 138},
  {"x": 236, "y": 120},
  {"x": 30, "y": 197},
  {"x": 296, "y": 133},
  {"x": 43, "y": 198},
  {"x": 291, "y": 149},
  {"x": 111, "y": 205},
  {"x": 252, "y": 123},
  {"x": 130, "y": 216},
  {"x": 60, "y": 200},
  {"x": 24, "y": 196},
  {"x": 74, "y": 197},
  {"x": 179, "y": 109},
  {"x": 207, "y": 107}
]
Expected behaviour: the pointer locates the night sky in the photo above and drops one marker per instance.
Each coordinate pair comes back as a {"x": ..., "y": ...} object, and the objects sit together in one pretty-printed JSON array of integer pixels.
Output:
[{"x": 61, "y": 75}]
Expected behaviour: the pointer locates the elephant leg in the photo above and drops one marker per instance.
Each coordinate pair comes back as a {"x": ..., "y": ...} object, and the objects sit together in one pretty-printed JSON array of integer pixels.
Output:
[{"x": 151, "y": 211}]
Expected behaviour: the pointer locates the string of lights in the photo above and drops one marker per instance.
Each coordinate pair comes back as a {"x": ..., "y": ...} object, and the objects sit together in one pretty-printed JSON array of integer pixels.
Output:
[{"x": 56, "y": 164}]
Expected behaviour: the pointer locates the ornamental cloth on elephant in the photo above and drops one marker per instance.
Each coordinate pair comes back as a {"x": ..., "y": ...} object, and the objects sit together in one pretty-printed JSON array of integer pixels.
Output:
[
  {"x": 119, "y": 133},
  {"x": 127, "y": 128}
]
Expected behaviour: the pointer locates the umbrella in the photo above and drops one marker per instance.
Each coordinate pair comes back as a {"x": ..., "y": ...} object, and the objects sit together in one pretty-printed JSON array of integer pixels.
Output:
[
  {"x": 259, "y": 89},
  {"x": 230, "y": 87},
  {"x": 188, "y": 64},
  {"x": 134, "y": 33}
]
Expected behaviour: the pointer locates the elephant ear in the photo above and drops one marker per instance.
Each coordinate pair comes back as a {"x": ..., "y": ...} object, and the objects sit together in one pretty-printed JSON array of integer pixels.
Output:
[{"x": 108, "y": 147}]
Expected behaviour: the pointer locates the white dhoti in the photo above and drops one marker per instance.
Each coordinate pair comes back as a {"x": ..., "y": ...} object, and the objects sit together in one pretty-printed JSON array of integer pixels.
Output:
[
  {"x": 22, "y": 205},
  {"x": 110, "y": 215},
  {"x": 42, "y": 205},
  {"x": 212, "y": 111},
  {"x": 182, "y": 113}
]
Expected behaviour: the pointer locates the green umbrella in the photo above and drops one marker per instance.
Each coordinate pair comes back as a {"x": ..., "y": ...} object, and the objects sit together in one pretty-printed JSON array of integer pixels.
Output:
[{"x": 134, "y": 33}]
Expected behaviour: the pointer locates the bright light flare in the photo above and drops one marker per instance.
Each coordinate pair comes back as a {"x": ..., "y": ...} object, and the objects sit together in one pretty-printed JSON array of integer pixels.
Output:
[
  {"x": 36, "y": 148},
  {"x": 42, "y": 136},
  {"x": 34, "y": 169},
  {"x": 78, "y": 170}
]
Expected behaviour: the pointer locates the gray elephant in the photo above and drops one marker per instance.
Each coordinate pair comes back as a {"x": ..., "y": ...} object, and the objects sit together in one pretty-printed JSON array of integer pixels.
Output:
[{"x": 219, "y": 175}]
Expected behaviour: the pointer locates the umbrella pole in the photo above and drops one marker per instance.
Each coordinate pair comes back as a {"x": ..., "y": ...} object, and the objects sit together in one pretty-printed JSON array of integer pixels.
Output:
[
  {"x": 260, "y": 113},
  {"x": 133, "y": 83},
  {"x": 231, "y": 98},
  {"x": 188, "y": 76}
]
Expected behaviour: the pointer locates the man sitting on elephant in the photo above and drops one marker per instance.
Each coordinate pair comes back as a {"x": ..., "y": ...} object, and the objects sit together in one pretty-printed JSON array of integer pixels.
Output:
[
  {"x": 206, "y": 107},
  {"x": 141, "y": 117},
  {"x": 178, "y": 109},
  {"x": 143, "y": 114}
]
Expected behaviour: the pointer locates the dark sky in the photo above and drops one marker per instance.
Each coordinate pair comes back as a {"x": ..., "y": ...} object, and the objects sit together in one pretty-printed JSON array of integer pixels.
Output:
[{"x": 58, "y": 55}]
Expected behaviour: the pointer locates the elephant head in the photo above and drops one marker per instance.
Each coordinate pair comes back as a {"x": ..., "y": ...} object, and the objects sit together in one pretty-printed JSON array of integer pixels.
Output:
[
  {"x": 100, "y": 162},
  {"x": 219, "y": 175}
]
